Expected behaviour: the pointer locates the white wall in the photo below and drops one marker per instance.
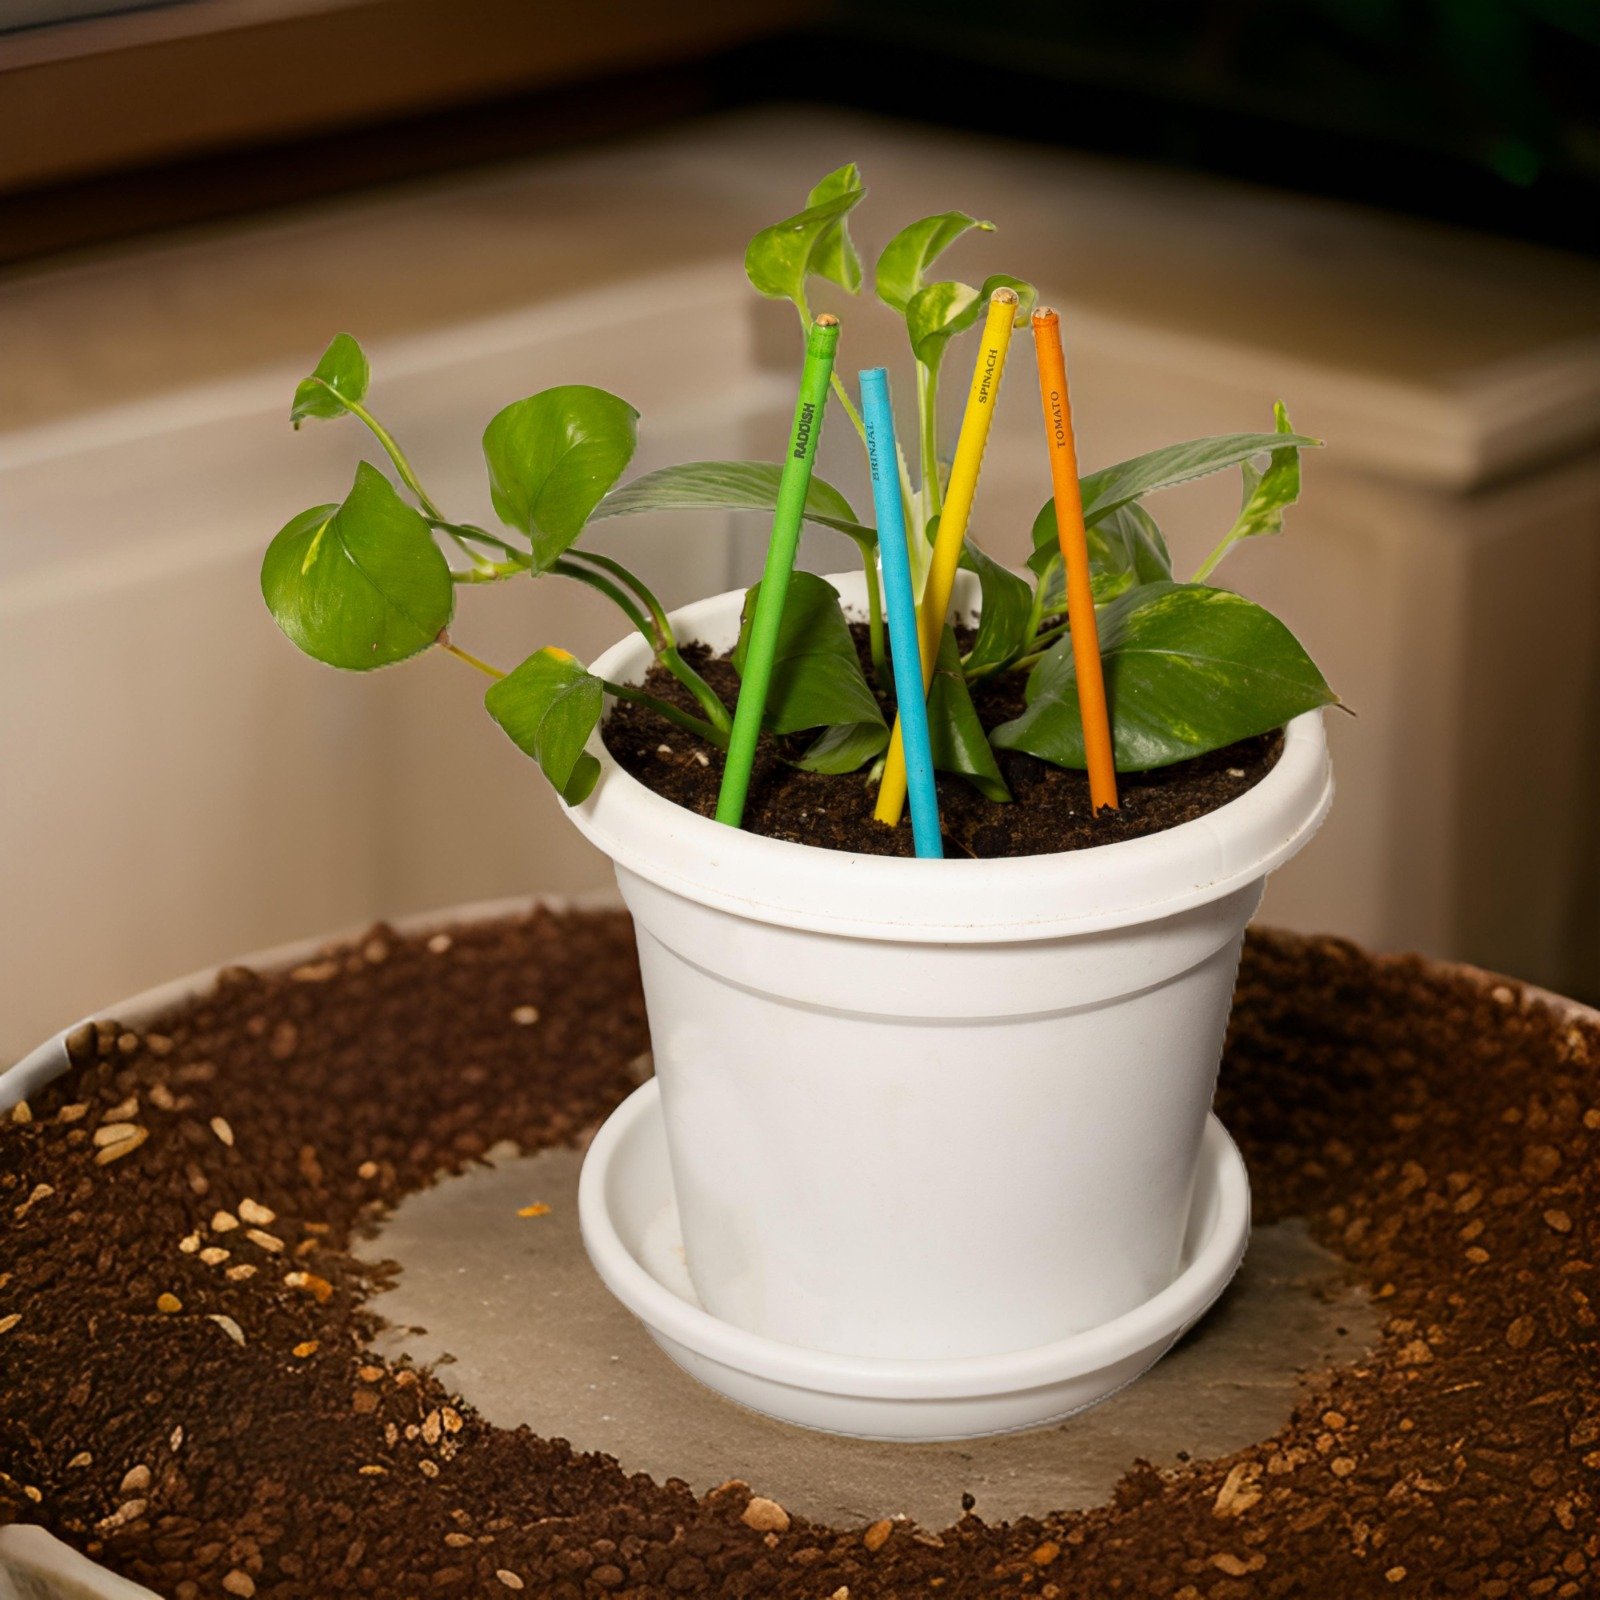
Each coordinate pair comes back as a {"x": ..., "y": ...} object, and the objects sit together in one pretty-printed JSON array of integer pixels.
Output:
[{"x": 177, "y": 784}]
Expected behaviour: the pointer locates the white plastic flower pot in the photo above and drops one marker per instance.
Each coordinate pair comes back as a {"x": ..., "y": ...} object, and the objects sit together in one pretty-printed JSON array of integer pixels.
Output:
[{"x": 932, "y": 1109}]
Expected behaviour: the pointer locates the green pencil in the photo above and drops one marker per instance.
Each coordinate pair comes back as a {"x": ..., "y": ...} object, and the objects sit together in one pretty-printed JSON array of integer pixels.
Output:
[{"x": 793, "y": 487}]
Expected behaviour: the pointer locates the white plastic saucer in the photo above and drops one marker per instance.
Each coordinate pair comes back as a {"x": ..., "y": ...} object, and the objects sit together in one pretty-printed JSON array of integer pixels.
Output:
[{"x": 629, "y": 1220}]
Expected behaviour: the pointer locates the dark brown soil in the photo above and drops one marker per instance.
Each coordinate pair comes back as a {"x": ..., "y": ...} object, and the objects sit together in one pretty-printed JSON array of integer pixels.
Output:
[
  {"x": 1439, "y": 1131},
  {"x": 1050, "y": 811}
]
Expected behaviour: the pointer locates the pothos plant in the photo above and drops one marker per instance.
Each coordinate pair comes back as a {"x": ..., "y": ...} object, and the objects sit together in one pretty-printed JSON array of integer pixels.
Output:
[{"x": 1189, "y": 667}]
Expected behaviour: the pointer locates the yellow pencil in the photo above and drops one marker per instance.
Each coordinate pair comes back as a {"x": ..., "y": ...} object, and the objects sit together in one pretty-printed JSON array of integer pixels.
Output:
[{"x": 952, "y": 533}]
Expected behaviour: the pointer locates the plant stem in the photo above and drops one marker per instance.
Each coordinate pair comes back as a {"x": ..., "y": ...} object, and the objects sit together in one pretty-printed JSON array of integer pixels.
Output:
[
  {"x": 489, "y": 571},
  {"x": 622, "y": 691},
  {"x": 468, "y": 532},
  {"x": 663, "y": 643},
  {"x": 482, "y": 570},
  {"x": 928, "y": 417},
  {"x": 471, "y": 660},
  {"x": 1041, "y": 647},
  {"x": 849, "y": 410},
  {"x": 1209, "y": 565},
  {"x": 658, "y": 615},
  {"x": 663, "y": 708},
  {"x": 603, "y": 585},
  {"x": 907, "y": 499},
  {"x": 1035, "y": 610},
  {"x": 395, "y": 454},
  {"x": 875, "y": 646},
  {"x": 708, "y": 699}
]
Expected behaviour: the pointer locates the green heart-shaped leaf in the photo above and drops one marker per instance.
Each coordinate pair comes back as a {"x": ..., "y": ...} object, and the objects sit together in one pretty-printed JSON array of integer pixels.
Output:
[
  {"x": 729, "y": 486},
  {"x": 935, "y": 314},
  {"x": 813, "y": 242},
  {"x": 954, "y": 731},
  {"x": 1188, "y": 669},
  {"x": 362, "y": 584},
  {"x": 1173, "y": 464},
  {"x": 341, "y": 375},
  {"x": 548, "y": 707},
  {"x": 552, "y": 456},
  {"x": 817, "y": 681},
  {"x": 834, "y": 255},
  {"x": 845, "y": 747},
  {"x": 907, "y": 257},
  {"x": 1007, "y": 611},
  {"x": 1267, "y": 495},
  {"x": 1125, "y": 548}
]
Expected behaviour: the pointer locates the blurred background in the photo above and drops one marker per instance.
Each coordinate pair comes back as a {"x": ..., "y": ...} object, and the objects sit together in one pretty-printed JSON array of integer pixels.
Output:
[{"x": 1380, "y": 211}]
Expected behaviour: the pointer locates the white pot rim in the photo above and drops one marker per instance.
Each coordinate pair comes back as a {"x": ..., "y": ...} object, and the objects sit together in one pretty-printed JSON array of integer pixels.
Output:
[{"x": 959, "y": 901}]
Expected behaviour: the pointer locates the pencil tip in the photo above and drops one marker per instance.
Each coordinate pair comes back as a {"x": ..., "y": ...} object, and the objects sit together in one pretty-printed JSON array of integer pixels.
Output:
[
  {"x": 1046, "y": 314},
  {"x": 827, "y": 320},
  {"x": 1006, "y": 297}
]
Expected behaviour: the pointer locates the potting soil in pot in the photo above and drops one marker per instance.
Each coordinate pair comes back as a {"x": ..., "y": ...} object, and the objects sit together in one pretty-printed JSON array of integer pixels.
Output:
[
  {"x": 1050, "y": 812},
  {"x": 187, "y": 1394}
]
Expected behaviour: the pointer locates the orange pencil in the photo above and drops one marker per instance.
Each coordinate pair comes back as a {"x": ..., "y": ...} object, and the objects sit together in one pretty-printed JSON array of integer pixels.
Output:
[{"x": 1075, "y": 554}]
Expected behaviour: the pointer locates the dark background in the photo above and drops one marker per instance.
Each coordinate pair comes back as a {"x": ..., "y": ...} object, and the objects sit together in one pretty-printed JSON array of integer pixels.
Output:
[{"x": 1474, "y": 112}]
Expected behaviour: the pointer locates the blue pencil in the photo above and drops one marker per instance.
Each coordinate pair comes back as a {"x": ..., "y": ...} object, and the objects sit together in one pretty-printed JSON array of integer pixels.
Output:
[{"x": 901, "y": 604}]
